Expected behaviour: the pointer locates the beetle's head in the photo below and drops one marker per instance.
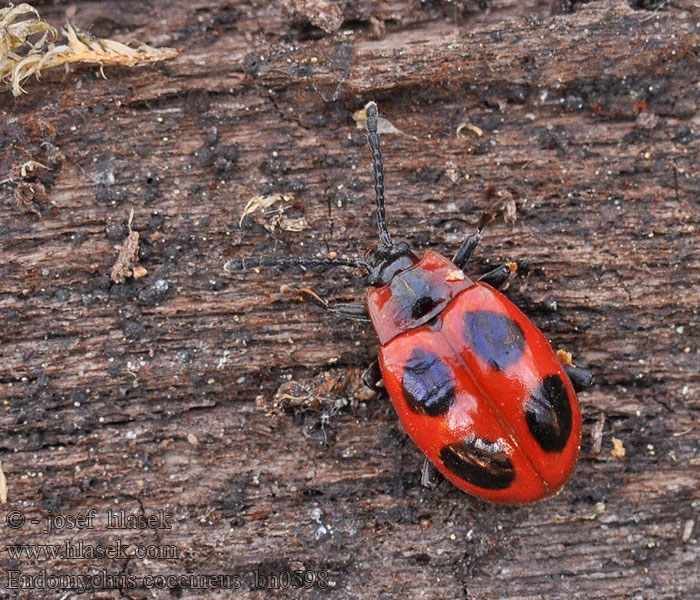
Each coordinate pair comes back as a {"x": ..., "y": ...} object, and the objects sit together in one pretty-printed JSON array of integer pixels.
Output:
[{"x": 387, "y": 261}]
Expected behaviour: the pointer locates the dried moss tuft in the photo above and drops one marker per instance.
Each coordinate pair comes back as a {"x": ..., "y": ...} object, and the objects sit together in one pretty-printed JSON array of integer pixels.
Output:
[{"x": 29, "y": 45}]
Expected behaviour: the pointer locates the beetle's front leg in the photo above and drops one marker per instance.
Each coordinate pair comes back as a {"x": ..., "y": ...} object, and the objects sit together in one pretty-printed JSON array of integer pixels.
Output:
[
  {"x": 498, "y": 276},
  {"x": 470, "y": 243},
  {"x": 580, "y": 378}
]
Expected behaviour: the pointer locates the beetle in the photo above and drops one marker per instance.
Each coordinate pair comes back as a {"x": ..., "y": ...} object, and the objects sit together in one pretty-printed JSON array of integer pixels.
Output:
[{"x": 474, "y": 382}]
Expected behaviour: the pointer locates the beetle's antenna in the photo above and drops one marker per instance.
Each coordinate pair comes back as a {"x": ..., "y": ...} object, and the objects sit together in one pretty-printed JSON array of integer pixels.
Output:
[
  {"x": 286, "y": 261},
  {"x": 373, "y": 136}
]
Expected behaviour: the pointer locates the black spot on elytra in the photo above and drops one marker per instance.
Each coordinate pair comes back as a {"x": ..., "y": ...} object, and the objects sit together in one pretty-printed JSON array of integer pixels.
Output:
[
  {"x": 480, "y": 462},
  {"x": 427, "y": 384},
  {"x": 495, "y": 338},
  {"x": 548, "y": 414}
]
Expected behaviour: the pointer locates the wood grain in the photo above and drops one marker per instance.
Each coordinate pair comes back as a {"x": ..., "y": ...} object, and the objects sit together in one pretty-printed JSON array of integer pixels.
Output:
[{"x": 228, "y": 403}]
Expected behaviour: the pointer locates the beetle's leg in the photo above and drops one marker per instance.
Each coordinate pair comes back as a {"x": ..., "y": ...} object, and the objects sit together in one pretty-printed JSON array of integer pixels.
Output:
[
  {"x": 469, "y": 245},
  {"x": 580, "y": 378},
  {"x": 348, "y": 311},
  {"x": 498, "y": 276},
  {"x": 465, "y": 250},
  {"x": 372, "y": 377},
  {"x": 430, "y": 477}
]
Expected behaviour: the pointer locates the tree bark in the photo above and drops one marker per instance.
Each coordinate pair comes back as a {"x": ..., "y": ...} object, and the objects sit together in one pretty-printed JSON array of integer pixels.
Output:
[{"x": 236, "y": 409}]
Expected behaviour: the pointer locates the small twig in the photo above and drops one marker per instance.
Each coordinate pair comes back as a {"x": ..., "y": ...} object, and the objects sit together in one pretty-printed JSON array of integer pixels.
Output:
[{"x": 128, "y": 255}]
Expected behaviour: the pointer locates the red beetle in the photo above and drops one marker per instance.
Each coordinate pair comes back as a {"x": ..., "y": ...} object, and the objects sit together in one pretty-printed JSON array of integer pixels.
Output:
[{"x": 475, "y": 383}]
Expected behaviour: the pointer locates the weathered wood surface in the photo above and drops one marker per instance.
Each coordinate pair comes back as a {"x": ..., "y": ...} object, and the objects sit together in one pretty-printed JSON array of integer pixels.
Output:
[{"x": 137, "y": 397}]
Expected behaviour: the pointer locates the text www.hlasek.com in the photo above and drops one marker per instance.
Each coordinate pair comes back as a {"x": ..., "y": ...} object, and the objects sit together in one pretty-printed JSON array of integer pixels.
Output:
[{"x": 80, "y": 550}]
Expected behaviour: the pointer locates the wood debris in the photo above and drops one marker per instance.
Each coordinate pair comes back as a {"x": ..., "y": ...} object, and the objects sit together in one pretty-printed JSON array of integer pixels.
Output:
[
  {"x": 618, "y": 450},
  {"x": 597, "y": 434},
  {"x": 471, "y": 127},
  {"x": 28, "y": 193},
  {"x": 320, "y": 13},
  {"x": 565, "y": 358},
  {"x": 138, "y": 271},
  {"x": 687, "y": 530},
  {"x": 127, "y": 258},
  {"x": 276, "y": 217},
  {"x": 384, "y": 126}
]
